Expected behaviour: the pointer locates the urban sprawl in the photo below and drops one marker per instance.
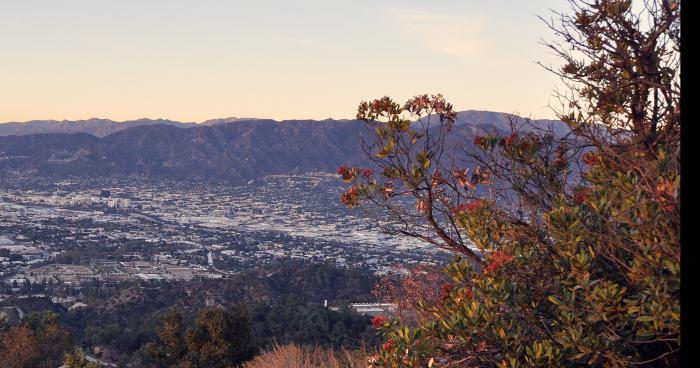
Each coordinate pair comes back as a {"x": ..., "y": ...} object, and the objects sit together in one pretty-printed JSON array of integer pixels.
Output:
[{"x": 69, "y": 232}]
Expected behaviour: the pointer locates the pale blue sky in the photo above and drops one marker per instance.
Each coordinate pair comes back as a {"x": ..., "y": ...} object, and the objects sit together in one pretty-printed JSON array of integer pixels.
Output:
[{"x": 197, "y": 60}]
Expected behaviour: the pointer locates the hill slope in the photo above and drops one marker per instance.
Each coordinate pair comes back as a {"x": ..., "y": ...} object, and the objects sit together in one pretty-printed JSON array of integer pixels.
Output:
[
  {"x": 231, "y": 149},
  {"x": 224, "y": 151}
]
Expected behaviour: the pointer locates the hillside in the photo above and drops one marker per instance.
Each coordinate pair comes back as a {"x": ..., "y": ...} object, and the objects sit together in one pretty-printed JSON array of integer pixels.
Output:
[
  {"x": 224, "y": 151},
  {"x": 230, "y": 149},
  {"x": 284, "y": 301}
]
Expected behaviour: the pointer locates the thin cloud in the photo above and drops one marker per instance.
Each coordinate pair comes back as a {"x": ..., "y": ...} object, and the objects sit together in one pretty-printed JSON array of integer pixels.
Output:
[{"x": 459, "y": 36}]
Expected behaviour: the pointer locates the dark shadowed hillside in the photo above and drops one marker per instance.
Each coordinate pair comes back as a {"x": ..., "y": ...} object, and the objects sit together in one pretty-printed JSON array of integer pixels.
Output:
[
  {"x": 224, "y": 151},
  {"x": 221, "y": 150}
]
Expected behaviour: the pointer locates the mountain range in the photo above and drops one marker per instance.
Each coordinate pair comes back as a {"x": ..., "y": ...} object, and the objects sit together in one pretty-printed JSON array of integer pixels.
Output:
[
  {"x": 221, "y": 149},
  {"x": 96, "y": 127}
]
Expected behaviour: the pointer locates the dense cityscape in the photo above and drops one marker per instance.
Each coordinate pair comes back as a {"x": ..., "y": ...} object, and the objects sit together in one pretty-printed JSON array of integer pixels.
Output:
[{"x": 113, "y": 230}]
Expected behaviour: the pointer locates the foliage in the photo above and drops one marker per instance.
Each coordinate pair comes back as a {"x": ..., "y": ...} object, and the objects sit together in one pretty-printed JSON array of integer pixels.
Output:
[
  {"x": 569, "y": 254},
  {"x": 76, "y": 359},
  {"x": 18, "y": 347},
  {"x": 295, "y": 356},
  {"x": 412, "y": 289},
  {"x": 284, "y": 299},
  {"x": 218, "y": 338},
  {"x": 39, "y": 341},
  {"x": 292, "y": 320}
]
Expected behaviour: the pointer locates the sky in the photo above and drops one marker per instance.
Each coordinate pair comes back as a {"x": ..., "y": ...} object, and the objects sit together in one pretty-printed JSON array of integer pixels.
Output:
[{"x": 199, "y": 60}]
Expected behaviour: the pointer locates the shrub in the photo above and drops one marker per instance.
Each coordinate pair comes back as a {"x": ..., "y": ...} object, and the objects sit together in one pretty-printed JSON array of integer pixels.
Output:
[
  {"x": 295, "y": 356},
  {"x": 568, "y": 246}
]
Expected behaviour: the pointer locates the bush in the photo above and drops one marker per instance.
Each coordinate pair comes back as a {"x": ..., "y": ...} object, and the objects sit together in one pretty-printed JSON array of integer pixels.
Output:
[
  {"x": 295, "y": 356},
  {"x": 568, "y": 246},
  {"x": 219, "y": 338}
]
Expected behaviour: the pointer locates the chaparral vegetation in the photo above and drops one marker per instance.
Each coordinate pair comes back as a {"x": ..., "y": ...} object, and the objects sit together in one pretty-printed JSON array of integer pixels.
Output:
[{"x": 567, "y": 245}]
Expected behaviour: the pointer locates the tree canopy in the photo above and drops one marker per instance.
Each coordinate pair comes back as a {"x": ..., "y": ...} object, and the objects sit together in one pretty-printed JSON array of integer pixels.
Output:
[{"x": 568, "y": 247}]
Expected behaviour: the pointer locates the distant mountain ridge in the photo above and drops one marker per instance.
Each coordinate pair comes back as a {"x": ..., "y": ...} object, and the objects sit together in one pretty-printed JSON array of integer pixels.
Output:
[
  {"x": 96, "y": 127},
  {"x": 501, "y": 121},
  {"x": 104, "y": 127},
  {"x": 224, "y": 149},
  {"x": 226, "y": 120}
]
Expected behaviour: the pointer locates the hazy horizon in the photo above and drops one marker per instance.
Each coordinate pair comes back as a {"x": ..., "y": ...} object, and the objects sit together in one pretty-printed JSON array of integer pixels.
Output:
[
  {"x": 186, "y": 61},
  {"x": 246, "y": 118}
]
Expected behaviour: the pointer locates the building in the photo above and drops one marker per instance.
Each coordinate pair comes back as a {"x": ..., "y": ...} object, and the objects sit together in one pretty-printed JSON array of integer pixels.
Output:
[{"x": 374, "y": 309}]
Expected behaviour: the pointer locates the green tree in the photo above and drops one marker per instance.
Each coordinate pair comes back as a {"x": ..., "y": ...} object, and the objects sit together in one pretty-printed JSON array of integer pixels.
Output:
[
  {"x": 569, "y": 245},
  {"x": 170, "y": 348},
  {"x": 39, "y": 341},
  {"x": 219, "y": 338},
  {"x": 76, "y": 359},
  {"x": 18, "y": 347}
]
